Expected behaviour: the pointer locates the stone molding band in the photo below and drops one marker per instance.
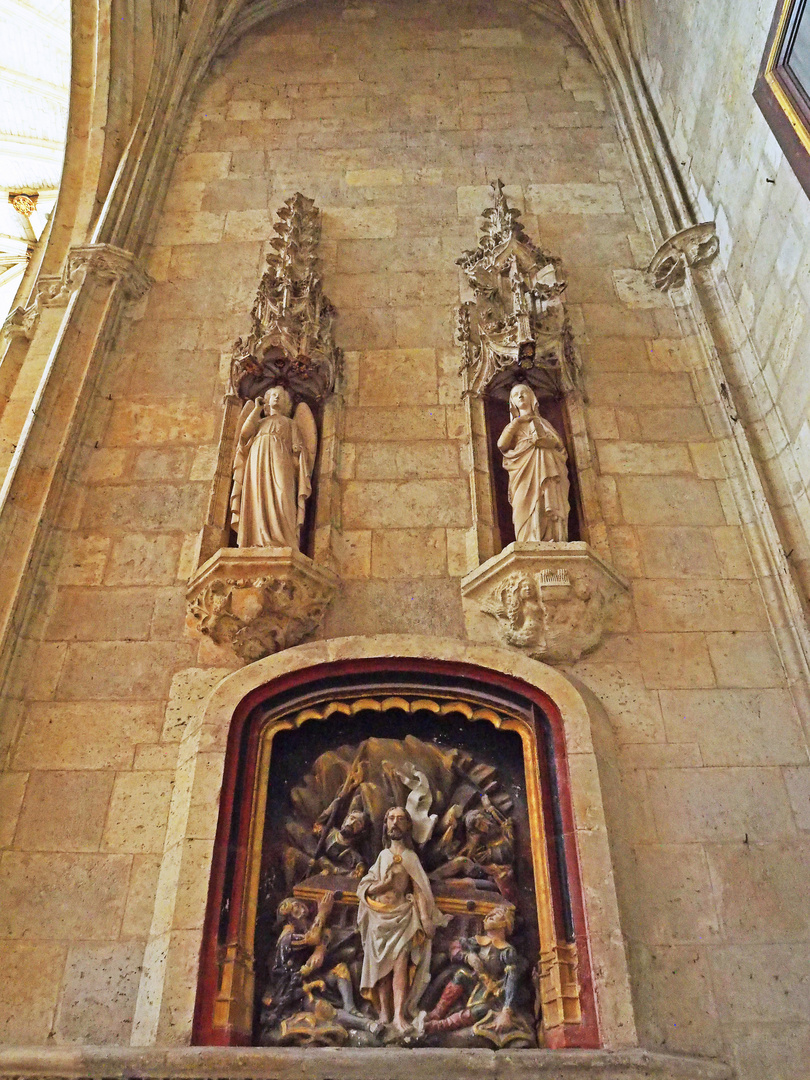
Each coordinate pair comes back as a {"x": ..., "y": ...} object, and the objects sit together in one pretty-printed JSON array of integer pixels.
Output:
[{"x": 204, "y": 1062}]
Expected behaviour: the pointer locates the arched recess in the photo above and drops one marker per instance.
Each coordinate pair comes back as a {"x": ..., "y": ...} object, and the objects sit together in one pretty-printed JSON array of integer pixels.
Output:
[{"x": 185, "y": 945}]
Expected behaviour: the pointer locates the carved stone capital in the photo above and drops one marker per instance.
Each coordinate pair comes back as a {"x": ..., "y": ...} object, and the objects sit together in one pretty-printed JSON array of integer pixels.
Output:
[
  {"x": 17, "y": 324},
  {"x": 258, "y": 601},
  {"x": 551, "y": 601},
  {"x": 692, "y": 247},
  {"x": 107, "y": 263}
]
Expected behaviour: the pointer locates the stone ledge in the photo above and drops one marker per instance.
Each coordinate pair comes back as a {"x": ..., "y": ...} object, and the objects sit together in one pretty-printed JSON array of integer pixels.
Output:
[{"x": 236, "y": 1063}]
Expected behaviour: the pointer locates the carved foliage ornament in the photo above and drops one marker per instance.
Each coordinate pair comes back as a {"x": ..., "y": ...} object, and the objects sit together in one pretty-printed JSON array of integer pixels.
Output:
[
  {"x": 258, "y": 603},
  {"x": 290, "y": 340},
  {"x": 517, "y": 319}
]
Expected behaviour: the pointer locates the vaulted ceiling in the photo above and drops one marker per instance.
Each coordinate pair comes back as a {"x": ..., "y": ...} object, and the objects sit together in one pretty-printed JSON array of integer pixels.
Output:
[{"x": 34, "y": 92}]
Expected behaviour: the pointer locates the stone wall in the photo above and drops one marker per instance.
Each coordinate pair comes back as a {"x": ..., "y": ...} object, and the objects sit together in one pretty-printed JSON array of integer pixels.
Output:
[
  {"x": 394, "y": 117},
  {"x": 702, "y": 59}
]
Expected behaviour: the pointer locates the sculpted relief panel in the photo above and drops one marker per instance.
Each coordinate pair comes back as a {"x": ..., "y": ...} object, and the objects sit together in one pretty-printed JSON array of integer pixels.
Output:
[{"x": 402, "y": 918}]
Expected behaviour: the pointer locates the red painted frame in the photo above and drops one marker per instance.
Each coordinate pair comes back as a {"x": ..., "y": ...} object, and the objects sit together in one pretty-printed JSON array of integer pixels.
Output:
[{"x": 584, "y": 1035}]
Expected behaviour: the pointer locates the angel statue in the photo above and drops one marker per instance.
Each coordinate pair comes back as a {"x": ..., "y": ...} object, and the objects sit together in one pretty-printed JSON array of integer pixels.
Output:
[
  {"x": 535, "y": 458},
  {"x": 272, "y": 468}
]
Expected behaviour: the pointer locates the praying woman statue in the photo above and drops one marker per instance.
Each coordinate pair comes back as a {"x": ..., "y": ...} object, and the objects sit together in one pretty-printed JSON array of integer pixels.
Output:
[
  {"x": 535, "y": 458},
  {"x": 272, "y": 468}
]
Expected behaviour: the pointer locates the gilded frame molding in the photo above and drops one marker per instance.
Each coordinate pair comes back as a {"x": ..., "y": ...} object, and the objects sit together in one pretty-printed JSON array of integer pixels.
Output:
[
  {"x": 779, "y": 97},
  {"x": 557, "y": 964}
]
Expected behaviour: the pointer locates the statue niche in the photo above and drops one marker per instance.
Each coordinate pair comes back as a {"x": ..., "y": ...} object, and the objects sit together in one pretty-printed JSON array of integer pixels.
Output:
[
  {"x": 275, "y": 456},
  {"x": 516, "y": 342},
  {"x": 539, "y": 586},
  {"x": 256, "y": 589},
  {"x": 389, "y": 903}
]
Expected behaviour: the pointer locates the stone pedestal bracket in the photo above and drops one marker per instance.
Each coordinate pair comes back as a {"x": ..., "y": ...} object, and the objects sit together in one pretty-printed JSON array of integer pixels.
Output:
[
  {"x": 258, "y": 601},
  {"x": 551, "y": 601}
]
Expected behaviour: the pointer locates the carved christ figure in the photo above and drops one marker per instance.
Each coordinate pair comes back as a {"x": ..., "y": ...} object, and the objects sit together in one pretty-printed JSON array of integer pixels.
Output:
[
  {"x": 397, "y": 919},
  {"x": 274, "y": 459},
  {"x": 535, "y": 458}
]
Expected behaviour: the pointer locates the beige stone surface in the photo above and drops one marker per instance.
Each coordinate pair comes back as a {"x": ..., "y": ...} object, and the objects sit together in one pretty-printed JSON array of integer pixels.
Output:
[
  {"x": 406, "y": 461},
  {"x": 58, "y": 897},
  {"x": 751, "y": 882},
  {"x": 84, "y": 560},
  {"x": 754, "y": 804},
  {"x": 670, "y": 500},
  {"x": 64, "y": 811},
  {"x": 675, "y": 660},
  {"x": 736, "y": 727},
  {"x": 670, "y": 980},
  {"x": 27, "y": 1002},
  {"x": 681, "y": 907},
  {"x": 139, "y": 811},
  {"x": 408, "y": 553},
  {"x": 85, "y": 735},
  {"x": 98, "y": 994},
  {"x": 412, "y": 503},
  {"x": 140, "y": 903},
  {"x": 111, "y": 670},
  {"x": 643, "y": 458},
  {"x": 677, "y": 551},
  {"x": 704, "y": 604},
  {"x": 12, "y": 791},
  {"x": 144, "y": 559},
  {"x": 745, "y": 659}
]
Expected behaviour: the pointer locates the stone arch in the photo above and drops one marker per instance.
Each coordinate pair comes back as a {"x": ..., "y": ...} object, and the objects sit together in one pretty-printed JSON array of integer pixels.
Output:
[{"x": 166, "y": 999}]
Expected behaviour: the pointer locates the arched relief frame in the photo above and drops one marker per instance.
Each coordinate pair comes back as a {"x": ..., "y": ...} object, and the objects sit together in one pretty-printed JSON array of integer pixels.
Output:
[
  {"x": 228, "y": 1016},
  {"x": 175, "y": 955}
]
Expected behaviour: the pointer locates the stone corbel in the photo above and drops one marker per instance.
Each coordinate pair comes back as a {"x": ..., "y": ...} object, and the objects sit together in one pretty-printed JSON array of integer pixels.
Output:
[
  {"x": 552, "y": 601},
  {"x": 258, "y": 601},
  {"x": 693, "y": 247},
  {"x": 106, "y": 263},
  {"x": 103, "y": 262},
  {"x": 17, "y": 325}
]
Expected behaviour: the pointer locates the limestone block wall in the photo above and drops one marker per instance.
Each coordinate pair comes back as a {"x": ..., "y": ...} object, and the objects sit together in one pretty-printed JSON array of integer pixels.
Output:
[
  {"x": 701, "y": 59},
  {"x": 394, "y": 115}
]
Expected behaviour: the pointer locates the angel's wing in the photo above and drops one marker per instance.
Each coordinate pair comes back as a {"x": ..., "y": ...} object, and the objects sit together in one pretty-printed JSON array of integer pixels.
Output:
[
  {"x": 308, "y": 432},
  {"x": 247, "y": 408},
  {"x": 494, "y": 604},
  {"x": 240, "y": 455}
]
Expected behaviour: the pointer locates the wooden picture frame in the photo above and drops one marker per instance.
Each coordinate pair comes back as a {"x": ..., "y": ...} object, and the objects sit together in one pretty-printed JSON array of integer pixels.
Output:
[{"x": 782, "y": 89}]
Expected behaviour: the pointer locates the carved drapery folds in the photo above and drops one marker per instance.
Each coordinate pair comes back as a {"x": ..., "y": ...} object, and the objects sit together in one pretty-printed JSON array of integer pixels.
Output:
[
  {"x": 517, "y": 319},
  {"x": 259, "y": 600}
]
